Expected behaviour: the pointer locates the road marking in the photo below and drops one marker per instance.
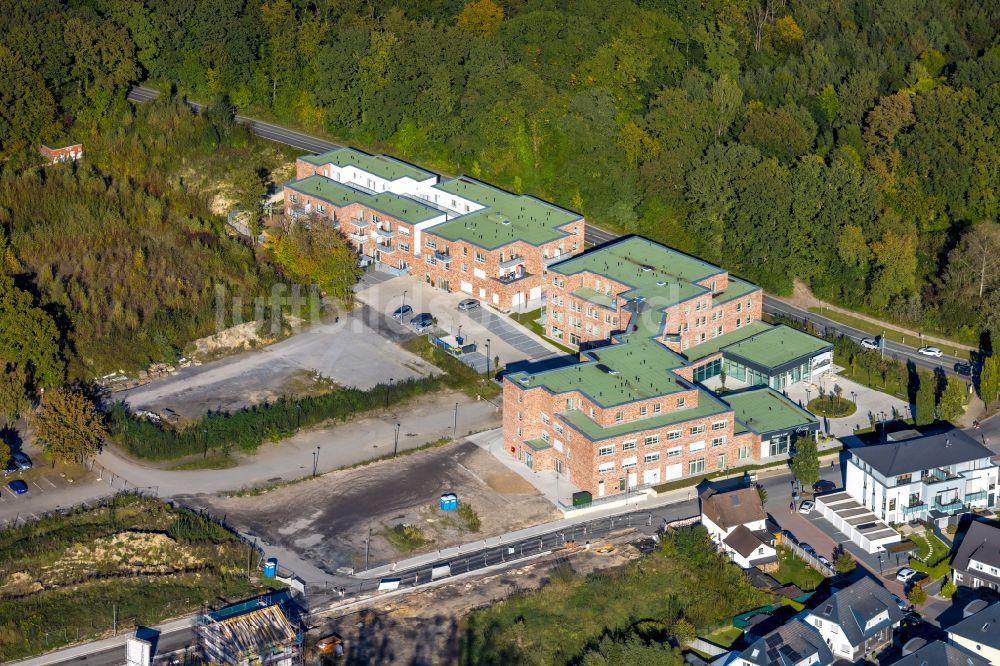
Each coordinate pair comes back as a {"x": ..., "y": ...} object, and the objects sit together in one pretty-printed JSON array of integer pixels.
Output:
[
  {"x": 50, "y": 482},
  {"x": 40, "y": 489}
]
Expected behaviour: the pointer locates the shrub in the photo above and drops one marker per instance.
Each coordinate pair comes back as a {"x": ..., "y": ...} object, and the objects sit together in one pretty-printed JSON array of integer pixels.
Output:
[
  {"x": 468, "y": 516},
  {"x": 917, "y": 595},
  {"x": 948, "y": 589},
  {"x": 844, "y": 563}
]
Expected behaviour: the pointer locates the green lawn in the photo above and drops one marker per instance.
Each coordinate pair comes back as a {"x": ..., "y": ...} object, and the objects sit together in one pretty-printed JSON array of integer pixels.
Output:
[
  {"x": 792, "y": 570},
  {"x": 895, "y": 336},
  {"x": 724, "y": 636},
  {"x": 685, "y": 583},
  {"x": 831, "y": 406}
]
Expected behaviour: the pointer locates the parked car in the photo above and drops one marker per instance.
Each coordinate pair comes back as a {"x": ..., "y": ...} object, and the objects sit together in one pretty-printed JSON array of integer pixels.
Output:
[
  {"x": 788, "y": 537},
  {"x": 869, "y": 343},
  {"x": 422, "y": 321},
  {"x": 468, "y": 304},
  {"x": 930, "y": 351},
  {"x": 964, "y": 369},
  {"x": 822, "y": 558},
  {"x": 18, "y": 487},
  {"x": 823, "y": 486},
  {"x": 899, "y": 602},
  {"x": 806, "y": 506},
  {"x": 809, "y": 549},
  {"x": 22, "y": 461},
  {"x": 401, "y": 312},
  {"x": 905, "y": 575}
]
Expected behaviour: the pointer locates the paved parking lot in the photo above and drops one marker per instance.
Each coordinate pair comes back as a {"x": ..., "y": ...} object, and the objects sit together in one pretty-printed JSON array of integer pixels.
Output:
[
  {"x": 49, "y": 490},
  {"x": 508, "y": 339}
]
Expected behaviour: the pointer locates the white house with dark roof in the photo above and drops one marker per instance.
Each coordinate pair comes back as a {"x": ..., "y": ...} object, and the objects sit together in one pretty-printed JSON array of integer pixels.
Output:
[
  {"x": 977, "y": 560},
  {"x": 979, "y": 634},
  {"x": 793, "y": 644},
  {"x": 858, "y": 620},
  {"x": 926, "y": 478},
  {"x": 736, "y": 521},
  {"x": 939, "y": 653}
]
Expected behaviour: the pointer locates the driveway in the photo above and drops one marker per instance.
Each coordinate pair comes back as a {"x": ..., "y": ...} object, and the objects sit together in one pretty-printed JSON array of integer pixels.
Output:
[
  {"x": 355, "y": 351},
  {"x": 869, "y": 401},
  {"x": 507, "y": 339}
]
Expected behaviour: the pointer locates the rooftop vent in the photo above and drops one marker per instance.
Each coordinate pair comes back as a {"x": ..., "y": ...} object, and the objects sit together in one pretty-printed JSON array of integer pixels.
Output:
[
  {"x": 646, "y": 269},
  {"x": 505, "y": 222},
  {"x": 661, "y": 283}
]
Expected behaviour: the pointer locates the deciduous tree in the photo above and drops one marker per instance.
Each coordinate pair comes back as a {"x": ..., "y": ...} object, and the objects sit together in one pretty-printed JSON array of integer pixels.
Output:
[
  {"x": 924, "y": 407},
  {"x": 805, "y": 460},
  {"x": 952, "y": 400},
  {"x": 68, "y": 426},
  {"x": 480, "y": 17}
]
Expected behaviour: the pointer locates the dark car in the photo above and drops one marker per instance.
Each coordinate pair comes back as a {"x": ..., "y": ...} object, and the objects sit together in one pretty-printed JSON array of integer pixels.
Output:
[
  {"x": 823, "y": 486},
  {"x": 422, "y": 321},
  {"x": 964, "y": 369},
  {"x": 22, "y": 461},
  {"x": 401, "y": 312},
  {"x": 807, "y": 548},
  {"x": 788, "y": 537},
  {"x": 18, "y": 487}
]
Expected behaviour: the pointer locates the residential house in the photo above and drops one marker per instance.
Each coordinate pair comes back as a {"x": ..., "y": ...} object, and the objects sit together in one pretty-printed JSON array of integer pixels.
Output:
[
  {"x": 979, "y": 634},
  {"x": 977, "y": 561},
  {"x": 69, "y": 153},
  {"x": 736, "y": 522},
  {"x": 857, "y": 621},
  {"x": 793, "y": 644},
  {"x": 927, "y": 478},
  {"x": 939, "y": 653}
]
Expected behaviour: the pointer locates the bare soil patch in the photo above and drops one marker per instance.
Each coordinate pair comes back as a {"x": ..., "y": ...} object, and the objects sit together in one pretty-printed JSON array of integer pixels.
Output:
[{"x": 327, "y": 520}]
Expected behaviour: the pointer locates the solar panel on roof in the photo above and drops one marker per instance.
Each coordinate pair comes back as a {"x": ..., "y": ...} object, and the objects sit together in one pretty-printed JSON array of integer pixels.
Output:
[{"x": 773, "y": 640}]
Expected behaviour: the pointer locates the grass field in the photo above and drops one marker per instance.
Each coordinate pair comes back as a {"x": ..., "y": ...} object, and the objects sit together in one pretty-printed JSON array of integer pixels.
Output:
[
  {"x": 831, "y": 406},
  {"x": 792, "y": 570},
  {"x": 66, "y": 578},
  {"x": 684, "y": 582},
  {"x": 895, "y": 336}
]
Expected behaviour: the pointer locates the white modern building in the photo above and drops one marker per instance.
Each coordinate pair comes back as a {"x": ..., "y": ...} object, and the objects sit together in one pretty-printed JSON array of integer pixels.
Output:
[
  {"x": 927, "y": 478},
  {"x": 736, "y": 521},
  {"x": 858, "y": 620}
]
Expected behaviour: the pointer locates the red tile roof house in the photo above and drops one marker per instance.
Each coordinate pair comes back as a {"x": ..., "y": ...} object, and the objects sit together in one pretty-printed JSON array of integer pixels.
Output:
[{"x": 56, "y": 155}]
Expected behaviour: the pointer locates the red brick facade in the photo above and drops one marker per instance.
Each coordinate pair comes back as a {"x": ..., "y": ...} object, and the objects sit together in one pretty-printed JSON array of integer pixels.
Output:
[{"x": 66, "y": 153}]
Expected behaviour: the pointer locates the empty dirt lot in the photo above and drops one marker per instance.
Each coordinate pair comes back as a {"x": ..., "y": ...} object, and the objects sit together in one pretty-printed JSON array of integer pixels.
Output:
[{"x": 326, "y": 520}]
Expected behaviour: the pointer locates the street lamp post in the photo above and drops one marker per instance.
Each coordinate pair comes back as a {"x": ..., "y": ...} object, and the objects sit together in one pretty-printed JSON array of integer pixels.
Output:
[
  {"x": 808, "y": 394},
  {"x": 454, "y": 430},
  {"x": 388, "y": 388},
  {"x": 402, "y": 302},
  {"x": 315, "y": 461},
  {"x": 395, "y": 446},
  {"x": 487, "y": 358}
]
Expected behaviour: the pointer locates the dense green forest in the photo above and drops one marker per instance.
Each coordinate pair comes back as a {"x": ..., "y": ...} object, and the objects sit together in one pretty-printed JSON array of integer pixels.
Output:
[{"x": 850, "y": 144}]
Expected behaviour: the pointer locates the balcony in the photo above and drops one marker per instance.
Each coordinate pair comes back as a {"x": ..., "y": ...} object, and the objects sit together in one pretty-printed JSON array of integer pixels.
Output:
[
  {"x": 384, "y": 249},
  {"x": 953, "y": 505},
  {"x": 937, "y": 476},
  {"x": 975, "y": 497},
  {"x": 512, "y": 277},
  {"x": 512, "y": 262},
  {"x": 359, "y": 223},
  {"x": 385, "y": 233},
  {"x": 443, "y": 257},
  {"x": 358, "y": 238},
  {"x": 914, "y": 508},
  {"x": 548, "y": 261}
]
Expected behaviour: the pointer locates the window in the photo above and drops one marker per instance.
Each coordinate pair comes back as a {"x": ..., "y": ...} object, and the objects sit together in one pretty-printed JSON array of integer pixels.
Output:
[
  {"x": 681, "y": 401},
  {"x": 696, "y": 446},
  {"x": 696, "y": 466},
  {"x": 739, "y": 307},
  {"x": 656, "y": 408},
  {"x": 294, "y": 197},
  {"x": 431, "y": 243},
  {"x": 480, "y": 257},
  {"x": 629, "y": 445},
  {"x": 675, "y": 452},
  {"x": 403, "y": 231},
  {"x": 652, "y": 439},
  {"x": 719, "y": 441},
  {"x": 619, "y": 417},
  {"x": 743, "y": 453},
  {"x": 545, "y": 419},
  {"x": 642, "y": 411},
  {"x": 749, "y": 303},
  {"x": 464, "y": 267},
  {"x": 719, "y": 425},
  {"x": 321, "y": 208},
  {"x": 606, "y": 450},
  {"x": 674, "y": 434},
  {"x": 545, "y": 436},
  {"x": 651, "y": 457},
  {"x": 739, "y": 323},
  {"x": 606, "y": 467},
  {"x": 559, "y": 428},
  {"x": 722, "y": 461},
  {"x": 404, "y": 247},
  {"x": 698, "y": 429},
  {"x": 903, "y": 479},
  {"x": 629, "y": 463},
  {"x": 892, "y": 504}
]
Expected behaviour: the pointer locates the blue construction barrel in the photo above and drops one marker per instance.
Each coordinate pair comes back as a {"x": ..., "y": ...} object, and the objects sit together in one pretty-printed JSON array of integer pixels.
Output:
[{"x": 270, "y": 566}]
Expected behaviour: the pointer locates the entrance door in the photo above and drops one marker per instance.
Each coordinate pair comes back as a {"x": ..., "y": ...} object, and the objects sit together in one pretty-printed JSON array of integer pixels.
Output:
[
  {"x": 633, "y": 480},
  {"x": 529, "y": 460},
  {"x": 600, "y": 488},
  {"x": 558, "y": 466}
]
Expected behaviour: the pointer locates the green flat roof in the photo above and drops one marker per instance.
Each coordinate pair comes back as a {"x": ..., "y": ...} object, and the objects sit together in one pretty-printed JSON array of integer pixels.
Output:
[
  {"x": 735, "y": 289},
  {"x": 379, "y": 165},
  {"x": 338, "y": 194},
  {"x": 595, "y": 297},
  {"x": 661, "y": 275},
  {"x": 776, "y": 346},
  {"x": 713, "y": 345},
  {"x": 594, "y": 431},
  {"x": 505, "y": 219},
  {"x": 538, "y": 444},
  {"x": 643, "y": 367},
  {"x": 765, "y": 410}
]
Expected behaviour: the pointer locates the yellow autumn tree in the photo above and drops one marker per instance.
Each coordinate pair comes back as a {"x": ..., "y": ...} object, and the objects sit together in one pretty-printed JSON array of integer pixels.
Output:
[
  {"x": 315, "y": 253},
  {"x": 481, "y": 17},
  {"x": 637, "y": 144},
  {"x": 788, "y": 32}
]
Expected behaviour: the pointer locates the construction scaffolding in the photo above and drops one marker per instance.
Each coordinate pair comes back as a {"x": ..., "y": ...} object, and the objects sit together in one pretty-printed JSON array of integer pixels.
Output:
[{"x": 251, "y": 633}]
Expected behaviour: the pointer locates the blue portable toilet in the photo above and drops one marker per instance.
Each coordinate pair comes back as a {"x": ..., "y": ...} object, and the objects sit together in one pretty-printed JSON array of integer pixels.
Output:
[
  {"x": 270, "y": 567},
  {"x": 449, "y": 502}
]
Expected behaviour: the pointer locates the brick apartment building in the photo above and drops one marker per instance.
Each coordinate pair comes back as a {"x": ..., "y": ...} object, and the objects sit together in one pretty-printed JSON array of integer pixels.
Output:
[
  {"x": 654, "y": 326},
  {"x": 457, "y": 234},
  {"x": 63, "y": 154}
]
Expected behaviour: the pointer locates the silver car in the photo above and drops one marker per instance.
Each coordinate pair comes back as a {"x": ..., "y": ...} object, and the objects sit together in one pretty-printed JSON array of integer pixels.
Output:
[{"x": 468, "y": 304}]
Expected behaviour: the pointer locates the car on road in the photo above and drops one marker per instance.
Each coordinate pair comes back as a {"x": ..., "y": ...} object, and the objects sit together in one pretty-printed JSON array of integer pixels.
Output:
[
  {"x": 823, "y": 486},
  {"x": 822, "y": 558},
  {"x": 963, "y": 369},
  {"x": 401, "y": 312},
  {"x": 809, "y": 549},
  {"x": 18, "y": 487},
  {"x": 22, "y": 461},
  {"x": 869, "y": 343},
  {"x": 930, "y": 351},
  {"x": 899, "y": 602},
  {"x": 905, "y": 575},
  {"x": 468, "y": 304},
  {"x": 806, "y": 506},
  {"x": 422, "y": 321}
]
